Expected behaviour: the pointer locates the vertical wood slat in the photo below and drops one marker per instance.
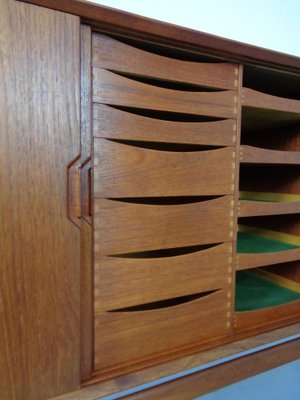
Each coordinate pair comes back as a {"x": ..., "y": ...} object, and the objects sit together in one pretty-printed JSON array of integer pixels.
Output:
[
  {"x": 87, "y": 316},
  {"x": 39, "y": 246}
]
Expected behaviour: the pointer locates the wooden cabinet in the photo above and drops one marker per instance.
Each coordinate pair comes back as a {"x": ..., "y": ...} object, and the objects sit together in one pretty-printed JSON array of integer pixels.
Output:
[{"x": 149, "y": 203}]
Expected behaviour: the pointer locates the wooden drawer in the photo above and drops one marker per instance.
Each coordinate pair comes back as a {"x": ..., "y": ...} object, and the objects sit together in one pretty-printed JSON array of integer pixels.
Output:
[
  {"x": 131, "y": 336},
  {"x": 112, "y": 123},
  {"x": 114, "y": 55},
  {"x": 113, "y": 89},
  {"x": 127, "y": 170},
  {"x": 124, "y": 282},
  {"x": 247, "y": 320},
  {"x": 124, "y": 227}
]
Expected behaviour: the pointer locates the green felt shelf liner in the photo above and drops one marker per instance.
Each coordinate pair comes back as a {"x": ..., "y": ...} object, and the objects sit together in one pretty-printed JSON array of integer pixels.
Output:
[
  {"x": 255, "y": 293},
  {"x": 251, "y": 244}
]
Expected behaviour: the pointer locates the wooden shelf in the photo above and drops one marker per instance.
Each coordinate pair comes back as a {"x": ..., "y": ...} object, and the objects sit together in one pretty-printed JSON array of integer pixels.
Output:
[
  {"x": 256, "y": 155},
  {"x": 265, "y": 247},
  {"x": 259, "y": 289},
  {"x": 257, "y": 203},
  {"x": 255, "y": 99}
]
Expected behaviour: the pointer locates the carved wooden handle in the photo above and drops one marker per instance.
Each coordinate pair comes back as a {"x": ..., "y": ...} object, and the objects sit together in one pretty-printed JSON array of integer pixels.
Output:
[{"x": 86, "y": 191}]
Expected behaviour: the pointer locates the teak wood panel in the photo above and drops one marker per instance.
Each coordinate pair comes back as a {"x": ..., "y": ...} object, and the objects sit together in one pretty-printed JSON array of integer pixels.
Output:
[
  {"x": 246, "y": 320},
  {"x": 255, "y": 99},
  {"x": 113, "y": 89},
  {"x": 255, "y": 155},
  {"x": 114, "y": 55},
  {"x": 122, "y": 227},
  {"x": 123, "y": 282},
  {"x": 256, "y": 208},
  {"x": 126, "y": 337},
  {"x": 112, "y": 123},
  {"x": 245, "y": 261},
  {"x": 40, "y": 246},
  {"x": 124, "y": 170}
]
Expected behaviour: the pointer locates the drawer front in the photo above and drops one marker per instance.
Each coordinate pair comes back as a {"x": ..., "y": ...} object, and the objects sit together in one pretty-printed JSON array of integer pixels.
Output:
[
  {"x": 112, "y": 123},
  {"x": 114, "y": 55},
  {"x": 127, "y": 170},
  {"x": 122, "y": 227},
  {"x": 153, "y": 276},
  {"x": 130, "y": 336},
  {"x": 113, "y": 89}
]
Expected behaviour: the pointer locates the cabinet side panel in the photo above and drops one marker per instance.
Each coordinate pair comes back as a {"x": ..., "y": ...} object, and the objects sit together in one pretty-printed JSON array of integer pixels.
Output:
[{"x": 39, "y": 246}]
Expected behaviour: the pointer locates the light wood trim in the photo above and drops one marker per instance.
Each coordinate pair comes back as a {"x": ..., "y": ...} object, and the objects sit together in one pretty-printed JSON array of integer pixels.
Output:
[
  {"x": 278, "y": 279},
  {"x": 40, "y": 245},
  {"x": 113, "y": 89},
  {"x": 123, "y": 170},
  {"x": 121, "y": 337},
  {"x": 114, "y": 55},
  {"x": 124, "y": 227},
  {"x": 255, "y": 99},
  {"x": 275, "y": 235},
  {"x": 112, "y": 123},
  {"x": 269, "y": 197},
  {"x": 123, "y": 282},
  {"x": 255, "y": 155}
]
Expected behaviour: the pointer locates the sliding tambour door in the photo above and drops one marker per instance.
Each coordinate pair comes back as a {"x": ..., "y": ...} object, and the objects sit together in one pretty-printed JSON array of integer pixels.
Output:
[{"x": 164, "y": 171}]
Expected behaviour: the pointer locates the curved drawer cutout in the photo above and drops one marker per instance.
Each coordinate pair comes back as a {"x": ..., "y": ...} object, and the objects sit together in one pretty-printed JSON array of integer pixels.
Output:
[
  {"x": 125, "y": 282},
  {"x": 125, "y": 338},
  {"x": 124, "y": 227},
  {"x": 167, "y": 303},
  {"x": 122, "y": 171},
  {"x": 112, "y": 89},
  {"x": 165, "y": 201},
  {"x": 162, "y": 253},
  {"x": 112, "y": 54},
  {"x": 112, "y": 123}
]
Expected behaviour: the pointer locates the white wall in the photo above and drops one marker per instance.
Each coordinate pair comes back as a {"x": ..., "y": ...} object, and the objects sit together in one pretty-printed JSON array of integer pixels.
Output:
[{"x": 274, "y": 24}]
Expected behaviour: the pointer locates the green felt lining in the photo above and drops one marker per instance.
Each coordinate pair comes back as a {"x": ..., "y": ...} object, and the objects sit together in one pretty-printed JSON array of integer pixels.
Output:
[
  {"x": 251, "y": 244},
  {"x": 254, "y": 293}
]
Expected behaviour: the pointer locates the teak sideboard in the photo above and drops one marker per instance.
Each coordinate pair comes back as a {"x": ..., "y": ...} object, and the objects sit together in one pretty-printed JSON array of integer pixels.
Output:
[{"x": 150, "y": 205}]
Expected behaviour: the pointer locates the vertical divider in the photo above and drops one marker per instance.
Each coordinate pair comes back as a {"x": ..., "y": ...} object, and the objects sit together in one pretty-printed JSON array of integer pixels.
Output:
[
  {"x": 87, "y": 324},
  {"x": 237, "y": 176}
]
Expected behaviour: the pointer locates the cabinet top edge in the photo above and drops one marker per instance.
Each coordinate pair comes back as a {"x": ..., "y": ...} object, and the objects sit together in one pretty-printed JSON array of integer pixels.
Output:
[{"x": 107, "y": 19}]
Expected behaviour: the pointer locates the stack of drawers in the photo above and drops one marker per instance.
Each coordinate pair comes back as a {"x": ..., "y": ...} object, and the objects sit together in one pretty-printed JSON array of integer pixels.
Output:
[{"x": 164, "y": 174}]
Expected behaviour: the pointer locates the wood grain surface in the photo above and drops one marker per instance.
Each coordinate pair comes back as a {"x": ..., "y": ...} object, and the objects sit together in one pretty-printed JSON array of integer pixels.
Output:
[
  {"x": 86, "y": 277},
  {"x": 125, "y": 170},
  {"x": 40, "y": 246},
  {"x": 121, "y": 227},
  {"x": 202, "y": 382},
  {"x": 165, "y": 34},
  {"x": 255, "y": 155},
  {"x": 245, "y": 320},
  {"x": 111, "y": 123},
  {"x": 255, "y": 99},
  {"x": 255, "y": 208},
  {"x": 243, "y": 342},
  {"x": 245, "y": 261},
  {"x": 123, "y": 282},
  {"x": 114, "y": 55},
  {"x": 113, "y": 89},
  {"x": 125, "y": 337}
]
